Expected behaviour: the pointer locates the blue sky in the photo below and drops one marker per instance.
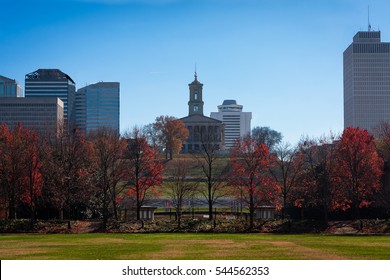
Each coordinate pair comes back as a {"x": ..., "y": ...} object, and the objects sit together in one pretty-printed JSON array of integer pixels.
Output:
[{"x": 281, "y": 60}]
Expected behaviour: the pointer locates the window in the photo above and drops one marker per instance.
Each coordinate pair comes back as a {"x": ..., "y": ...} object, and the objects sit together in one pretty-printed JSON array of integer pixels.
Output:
[
  {"x": 196, "y": 108},
  {"x": 196, "y": 95}
]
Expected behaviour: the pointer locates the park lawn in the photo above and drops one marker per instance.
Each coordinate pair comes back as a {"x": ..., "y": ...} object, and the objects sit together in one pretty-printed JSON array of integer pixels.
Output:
[{"x": 182, "y": 246}]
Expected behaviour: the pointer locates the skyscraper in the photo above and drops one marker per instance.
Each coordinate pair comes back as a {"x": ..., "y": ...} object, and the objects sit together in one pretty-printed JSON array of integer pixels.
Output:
[
  {"x": 237, "y": 123},
  {"x": 42, "y": 114},
  {"x": 10, "y": 88},
  {"x": 367, "y": 81},
  {"x": 54, "y": 83},
  {"x": 97, "y": 106}
]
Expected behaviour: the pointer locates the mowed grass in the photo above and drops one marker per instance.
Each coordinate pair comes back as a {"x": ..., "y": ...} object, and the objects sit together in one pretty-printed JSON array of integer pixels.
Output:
[{"x": 192, "y": 246}]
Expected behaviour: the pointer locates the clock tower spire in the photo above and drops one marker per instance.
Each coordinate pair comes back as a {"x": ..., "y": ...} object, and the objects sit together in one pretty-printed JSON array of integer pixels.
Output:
[{"x": 195, "y": 105}]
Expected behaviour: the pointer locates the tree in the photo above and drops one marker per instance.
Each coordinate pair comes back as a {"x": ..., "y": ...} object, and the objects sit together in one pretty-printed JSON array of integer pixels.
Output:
[
  {"x": 68, "y": 172},
  {"x": 108, "y": 167},
  {"x": 317, "y": 176},
  {"x": 144, "y": 169},
  {"x": 383, "y": 147},
  {"x": 214, "y": 169},
  {"x": 171, "y": 134},
  {"x": 20, "y": 168},
  {"x": 179, "y": 187},
  {"x": 33, "y": 181},
  {"x": 288, "y": 164},
  {"x": 359, "y": 170},
  {"x": 152, "y": 137},
  {"x": 267, "y": 136},
  {"x": 250, "y": 165},
  {"x": 11, "y": 168}
]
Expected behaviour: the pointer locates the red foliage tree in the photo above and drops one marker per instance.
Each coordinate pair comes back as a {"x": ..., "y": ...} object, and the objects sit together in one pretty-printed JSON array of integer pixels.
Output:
[
  {"x": 33, "y": 181},
  {"x": 359, "y": 170},
  {"x": 20, "y": 168},
  {"x": 250, "y": 166},
  {"x": 144, "y": 169}
]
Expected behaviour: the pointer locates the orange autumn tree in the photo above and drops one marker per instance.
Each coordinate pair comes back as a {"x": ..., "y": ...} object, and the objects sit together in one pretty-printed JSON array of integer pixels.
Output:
[
  {"x": 171, "y": 134},
  {"x": 359, "y": 170},
  {"x": 250, "y": 173}
]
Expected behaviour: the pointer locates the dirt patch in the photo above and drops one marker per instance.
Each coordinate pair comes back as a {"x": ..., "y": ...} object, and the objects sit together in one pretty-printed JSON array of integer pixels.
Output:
[
  {"x": 305, "y": 252},
  {"x": 18, "y": 253}
]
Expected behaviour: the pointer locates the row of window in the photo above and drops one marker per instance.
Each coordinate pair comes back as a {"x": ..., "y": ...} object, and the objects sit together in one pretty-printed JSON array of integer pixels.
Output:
[{"x": 371, "y": 48}]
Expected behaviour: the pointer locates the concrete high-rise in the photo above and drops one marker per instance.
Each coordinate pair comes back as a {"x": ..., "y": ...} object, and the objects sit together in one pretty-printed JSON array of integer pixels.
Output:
[
  {"x": 367, "y": 81},
  {"x": 53, "y": 83},
  {"x": 10, "y": 88},
  {"x": 97, "y": 106},
  {"x": 42, "y": 114},
  {"x": 237, "y": 123}
]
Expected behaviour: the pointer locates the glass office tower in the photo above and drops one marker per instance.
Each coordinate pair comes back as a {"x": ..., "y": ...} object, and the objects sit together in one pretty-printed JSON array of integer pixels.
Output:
[
  {"x": 97, "y": 106},
  {"x": 53, "y": 83}
]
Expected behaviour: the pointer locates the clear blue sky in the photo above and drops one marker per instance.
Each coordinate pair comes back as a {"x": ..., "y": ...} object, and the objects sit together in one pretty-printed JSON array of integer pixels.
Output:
[{"x": 280, "y": 59}]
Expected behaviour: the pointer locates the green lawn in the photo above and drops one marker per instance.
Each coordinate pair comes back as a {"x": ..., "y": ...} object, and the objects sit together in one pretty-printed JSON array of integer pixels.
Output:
[{"x": 192, "y": 246}]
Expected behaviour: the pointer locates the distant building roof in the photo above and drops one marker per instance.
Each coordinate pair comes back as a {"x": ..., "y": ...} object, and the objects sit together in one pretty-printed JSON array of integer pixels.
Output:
[
  {"x": 48, "y": 74},
  {"x": 229, "y": 102},
  {"x": 8, "y": 80},
  {"x": 101, "y": 85}
]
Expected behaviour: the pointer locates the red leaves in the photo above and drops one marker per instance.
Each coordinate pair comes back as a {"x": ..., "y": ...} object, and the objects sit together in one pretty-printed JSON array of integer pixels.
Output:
[
  {"x": 143, "y": 170},
  {"x": 250, "y": 165},
  {"x": 358, "y": 168},
  {"x": 20, "y": 166}
]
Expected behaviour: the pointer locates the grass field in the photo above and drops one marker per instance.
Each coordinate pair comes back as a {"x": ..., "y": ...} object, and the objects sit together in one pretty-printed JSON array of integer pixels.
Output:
[{"x": 193, "y": 246}]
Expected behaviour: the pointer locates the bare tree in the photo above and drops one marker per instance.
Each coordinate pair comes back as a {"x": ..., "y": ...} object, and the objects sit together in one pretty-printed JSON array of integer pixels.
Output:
[
  {"x": 285, "y": 171},
  {"x": 67, "y": 169},
  {"x": 316, "y": 182},
  {"x": 180, "y": 187},
  {"x": 215, "y": 169},
  {"x": 108, "y": 168}
]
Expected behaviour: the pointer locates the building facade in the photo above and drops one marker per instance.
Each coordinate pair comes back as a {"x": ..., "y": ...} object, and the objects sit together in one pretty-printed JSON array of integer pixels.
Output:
[
  {"x": 42, "y": 114},
  {"x": 97, "y": 106},
  {"x": 367, "y": 81},
  {"x": 53, "y": 83},
  {"x": 236, "y": 122},
  {"x": 203, "y": 131},
  {"x": 10, "y": 88}
]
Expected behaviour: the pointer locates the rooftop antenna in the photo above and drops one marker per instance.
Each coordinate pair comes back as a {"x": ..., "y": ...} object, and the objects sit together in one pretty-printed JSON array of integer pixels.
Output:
[{"x": 368, "y": 16}]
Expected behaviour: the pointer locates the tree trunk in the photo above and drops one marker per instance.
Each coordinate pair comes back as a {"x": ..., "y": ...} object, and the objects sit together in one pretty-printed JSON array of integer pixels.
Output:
[
  {"x": 284, "y": 205},
  {"x": 12, "y": 209},
  {"x": 251, "y": 211}
]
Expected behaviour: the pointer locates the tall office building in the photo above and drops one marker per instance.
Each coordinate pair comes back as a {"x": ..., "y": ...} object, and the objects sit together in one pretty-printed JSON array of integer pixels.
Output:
[
  {"x": 97, "y": 106},
  {"x": 43, "y": 114},
  {"x": 10, "y": 88},
  {"x": 367, "y": 81},
  {"x": 53, "y": 83},
  {"x": 237, "y": 123}
]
